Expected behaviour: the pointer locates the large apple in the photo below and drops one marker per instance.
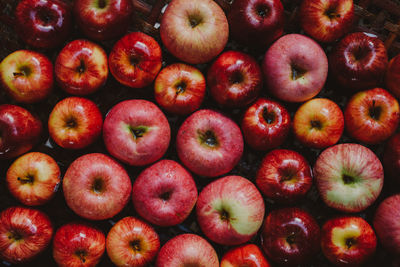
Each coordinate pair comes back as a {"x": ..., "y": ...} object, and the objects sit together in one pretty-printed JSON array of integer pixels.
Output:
[
  {"x": 247, "y": 255},
  {"x": 391, "y": 157},
  {"x": 392, "y": 77}
]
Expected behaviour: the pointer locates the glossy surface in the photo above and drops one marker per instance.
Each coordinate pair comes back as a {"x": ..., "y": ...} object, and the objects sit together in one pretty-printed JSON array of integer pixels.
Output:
[
  {"x": 247, "y": 255},
  {"x": 392, "y": 78}
]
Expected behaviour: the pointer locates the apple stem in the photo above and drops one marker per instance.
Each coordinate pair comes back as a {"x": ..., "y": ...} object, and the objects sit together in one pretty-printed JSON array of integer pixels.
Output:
[
  {"x": 26, "y": 180},
  {"x": 18, "y": 74}
]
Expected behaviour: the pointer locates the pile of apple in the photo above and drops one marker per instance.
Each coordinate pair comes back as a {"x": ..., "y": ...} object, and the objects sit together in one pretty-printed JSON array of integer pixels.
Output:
[{"x": 259, "y": 220}]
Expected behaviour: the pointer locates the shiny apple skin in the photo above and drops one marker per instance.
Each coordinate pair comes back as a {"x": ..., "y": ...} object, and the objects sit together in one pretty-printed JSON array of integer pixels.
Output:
[
  {"x": 81, "y": 67},
  {"x": 106, "y": 23},
  {"x": 247, "y": 255},
  {"x": 392, "y": 77},
  {"x": 358, "y": 61},
  {"x": 135, "y": 60},
  {"x": 180, "y": 88},
  {"x": 367, "y": 127},
  {"x": 132, "y": 242},
  {"x": 391, "y": 158},
  {"x": 19, "y": 131},
  {"x": 32, "y": 225},
  {"x": 234, "y": 79},
  {"x": 78, "y": 245},
  {"x": 294, "y": 224},
  {"x": 40, "y": 33},
  {"x": 318, "y": 123}
]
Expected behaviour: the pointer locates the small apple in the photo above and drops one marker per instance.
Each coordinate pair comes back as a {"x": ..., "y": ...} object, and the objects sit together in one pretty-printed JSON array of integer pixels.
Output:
[
  {"x": 247, "y": 255},
  {"x": 391, "y": 157},
  {"x": 392, "y": 77}
]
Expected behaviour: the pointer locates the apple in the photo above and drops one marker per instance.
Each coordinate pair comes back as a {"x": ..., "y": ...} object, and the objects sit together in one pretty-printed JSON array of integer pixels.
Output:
[
  {"x": 135, "y": 60},
  {"x": 284, "y": 176},
  {"x": 132, "y": 242},
  {"x": 256, "y": 23},
  {"x": 391, "y": 157},
  {"x": 392, "y": 77},
  {"x": 326, "y": 21},
  {"x": 290, "y": 236},
  {"x": 234, "y": 79},
  {"x": 295, "y": 68},
  {"x": 230, "y": 210},
  {"x": 96, "y": 187},
  {"x": 349, "y": 177},
  {"x": 372, "y": 116},
  {"x": 103, "y": 19},
  {"x": 180, "y": 88},
  {"x": 187, "y": 250},
  {"x": 246, "y": 255},
  {"x": 358, "y": 61},
  {"x": 19, "y": 131},
  {"x": 265, "y": 124},
  {"x": 318, "y": 123},
  {"x": 24, "y": 233},
  {"x": 75, "y": 123},
  {"x": 43, "y": 23},
  {"x": 194, "y": 31},
  {"x": 77, "y": 244},
  {"x": 81, "y": 67},
  {"x": 136, "y": 132},
  {"x": 209, "y": 143},
  {"x": 26, "y": 76},
  {"x": 164, "y": 193}
]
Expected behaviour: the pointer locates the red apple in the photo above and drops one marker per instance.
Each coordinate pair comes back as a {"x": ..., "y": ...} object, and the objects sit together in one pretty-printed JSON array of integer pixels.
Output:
[
  {"x": 209, "y": 144},
  {"x": 81, "y": 67},
  {"x": 96, "y": 187},
  {"x": 295, "y": 68},
  {"x": 194, "y": 31},
  {"x": 372, "y": 116},
  {"x": 24, "y": 233},
  {"x": 247, "y": 255},
  {"x": 77, "y": 244},
  {"x": 318, "y": 123},
  {"x": 132, "y": 242},
  {"x": 75, "y": 123},
  {"x": 391, "y": 157},
  {"x": 392, "y": 77},
  {"x": 135, "y": 60},
  {"x": 180, "y": 88},
  {"x": 136, "y": 132}
]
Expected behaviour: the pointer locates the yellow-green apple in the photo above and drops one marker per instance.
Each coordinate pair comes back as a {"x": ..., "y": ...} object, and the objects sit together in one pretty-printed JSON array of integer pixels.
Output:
[
  {"x": 26, "y": 76},
  {"x": 318, "y": 123},
  {"x": 187, "y": 250},
  {"x": 24, "y": 233},
  {"x": 295, "y": 68},
  {"x": 77, "y": 244},
  {"x": 265, "y": 124},
  {"x": 290, "y": 236},
  {"x": 372, "y": 116},
  {"x": 246, "y": 255},
  {"x": 33, "y": 178},
  {"x": 392, "y": 77},
  {"x": 194, "y": 31},
  {"x": 180, "y": 88},
  {"x": 136, "y": 132},
  {"x": 135, "y": 60},
  {"x": 391, "y": 158},
  {"x": 132, "y": 242},
  {"x": 96, "y": 187},
  {"x": 81, "y": 67},
  {"x": 75, "y": 123},
  {"x": 349, "y": 177},
  {"x": 164, "y": 193},
  {"x": 209, "y": 143},
  {"x": 230, "y": 210}
]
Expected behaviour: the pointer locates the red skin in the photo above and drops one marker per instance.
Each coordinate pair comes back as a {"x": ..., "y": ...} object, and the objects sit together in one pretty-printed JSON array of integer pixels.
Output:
[
  {"x": 121, "y": 127},
  {"x": 96, "y": 187},
  {"x": 247, "y": 255},
  {"x": 209, "y": 159},
  {"x": 77, "y": 245},
  {"x": 32, "y": 226},
  {"x": 369, "y": 128},
  {"x": 337, "y": 231},
  {"x": 284, "y": 176},
  {"x": 75, "y": 123},
  {"x": 43, "y": 23},
  {"x": 187, "y": 250},
  {"x": 290, "y": 225},
  {"x": 164, "y": 194},
  {"x": 234, "y": 79},
  {"x": 265, "y": 124},
  {"x": 391, "y": 157},
  {"x": 393, "y": 76},
  {"x": 135, "y": 60},
  {"x": 132, "y": 242},
  {"x": 19, "y": 131},
  {"x": 358, "y": 61}
]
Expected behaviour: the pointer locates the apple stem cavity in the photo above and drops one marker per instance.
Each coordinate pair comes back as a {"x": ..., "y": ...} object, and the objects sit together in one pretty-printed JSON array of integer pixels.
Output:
[
  {"x": 224, "y": 215},
  {"x": 347, "y": 179},
  {"x": 316, "y": 124},
  {"x": 180, "y": 87},
  {"x": 82, "y": 67},
  {"x": 138, "y": 131},
  {"x": 262, "y": 11},
  {"x": 81, "y": 255},
  {"x": 236, "y": 77},
  {"x": 375, "y": 111},
  {"x": 269, "y": 116},
  {"x": 195, "y": 20},
  {"x": 297, "y": 72},
  {"x": 332, "y": 13},
  {"x": 15, "y": 236},
  {"x": 102, "y": 4},
  {"x": 350, "y": 242},
  {"x": 166, "y": 195},
  {"x": 135, "y": 245},
  {"x": 98, "y": 186},
  {"x": 208, "y": 138},
  {"x": 290, "y": 239},
  {"x": 71, "y": 123},
  {"x": 27, "y": 179},
  {"x": 22, "y": 71}
]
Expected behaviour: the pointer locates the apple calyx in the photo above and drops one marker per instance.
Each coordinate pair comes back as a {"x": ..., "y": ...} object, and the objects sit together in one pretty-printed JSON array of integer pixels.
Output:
[
  {"x": 208, "y": 139},
  {"x": 262, "y": 10},
  {"x": 350, "y": 242},
  {"x": 102, "y": 4},
  {"x": 180, "y": 87},
  {"x": 15, "y": 236},
  {"x": 287, "y": 175},
  {"x": 28, "y": 179},
  {"x": 136, "y": 245},
  {"x": 82, "y": 67},
  {"x": 348, "y": 179},
  {"x": 71, "y": 123},
  {"x": 375, "y": 111},
  {"x": 224, "y": 215},
  {"x": 45, "y": 15},
  {"x": 291, "y": 239},
  {"x": 236, "y": 77},
  {"x": 268, "y": 116},
  {"x": 166, "y": 195},
  {"x": 98, "y": 186},
  {"x": 81, "y": 254},
  {"x": 195, "y": 20},
  {"x": 297, "y": 72},
  {"x": 316, "y": 124},
  {"x": 138, "y": 131},
  {"x": 359, "y": 53},
  {"x": 332, "y": 13},
  {"x": 22, "y": 71}
]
